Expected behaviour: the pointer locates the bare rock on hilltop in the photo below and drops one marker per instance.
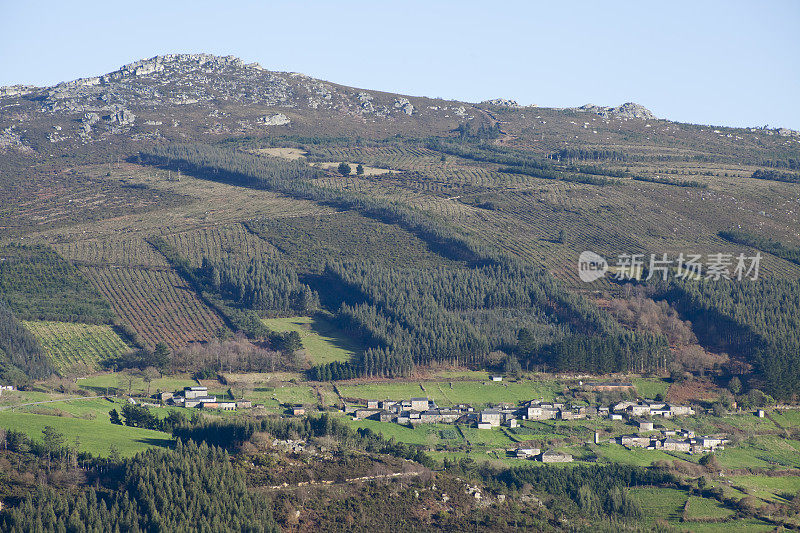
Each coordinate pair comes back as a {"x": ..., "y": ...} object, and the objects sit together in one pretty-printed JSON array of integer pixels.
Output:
[{"x": 626, "y": 110}]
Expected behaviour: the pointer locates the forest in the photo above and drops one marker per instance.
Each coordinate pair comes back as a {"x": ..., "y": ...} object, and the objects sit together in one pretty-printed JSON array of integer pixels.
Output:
[
  {"x": 757, "y": 321},
  {"x": 158, "y": 490},
  {"x": 764, "y": 244},
  {"x": 410, "y": 317}
]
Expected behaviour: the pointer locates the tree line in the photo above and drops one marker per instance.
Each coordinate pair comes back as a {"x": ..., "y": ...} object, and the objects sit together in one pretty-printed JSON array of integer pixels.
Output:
[
  {"x": 21, "y": 356},
  {"x": 260, "y": 283},
  {"x": 774, "y": 175},
  {"x": 37, "y": 284}
]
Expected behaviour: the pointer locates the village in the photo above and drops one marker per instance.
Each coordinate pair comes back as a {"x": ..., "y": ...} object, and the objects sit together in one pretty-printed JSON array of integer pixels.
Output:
[{"x": 639, "y": 414}]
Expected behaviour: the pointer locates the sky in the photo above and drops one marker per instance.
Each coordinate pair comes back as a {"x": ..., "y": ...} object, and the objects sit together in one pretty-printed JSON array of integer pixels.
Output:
[{"x": 731, "y": 63}]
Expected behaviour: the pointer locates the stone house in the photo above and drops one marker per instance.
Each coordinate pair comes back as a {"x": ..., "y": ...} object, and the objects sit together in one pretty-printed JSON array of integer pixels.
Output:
[
  {"x": 420, "y": 404},
  {"x": 491, "y": 416},
  {"x": 553, "y": 456}
]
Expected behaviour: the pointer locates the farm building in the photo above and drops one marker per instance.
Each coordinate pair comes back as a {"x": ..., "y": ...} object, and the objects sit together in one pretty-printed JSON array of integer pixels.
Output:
[
  {"x": 197, "y": 400},
  {"x": 644, "y": 425},
  {"x": 298, "y": 410},
  {"x": 361, "y": 414},
  {"x": 524, "y": 453},
  {"x": 676, "y": 445},
  {"x": 553, "y": 456},
  {"x": 194, "y": 392}
]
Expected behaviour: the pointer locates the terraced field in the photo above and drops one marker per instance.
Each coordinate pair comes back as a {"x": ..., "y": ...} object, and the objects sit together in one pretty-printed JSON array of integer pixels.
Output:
[
  {"x": 74, "y": 347},
  {"x": 219, "y": 242},
  {"x": 157, "y": 303},
  {"x": 525, "y": 215},
  {"x": 134, "y": 251}
]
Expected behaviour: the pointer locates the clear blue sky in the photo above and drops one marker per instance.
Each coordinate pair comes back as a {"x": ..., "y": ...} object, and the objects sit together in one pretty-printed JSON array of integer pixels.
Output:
[{"x": 712, "y": 62}]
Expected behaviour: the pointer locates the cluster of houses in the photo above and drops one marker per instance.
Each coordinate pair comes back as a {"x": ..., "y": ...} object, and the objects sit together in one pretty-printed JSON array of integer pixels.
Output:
[
  {"x": 672, "y": 440},
  {"x": 198, "y": 397},
  {"x": 425, "y": 411}
]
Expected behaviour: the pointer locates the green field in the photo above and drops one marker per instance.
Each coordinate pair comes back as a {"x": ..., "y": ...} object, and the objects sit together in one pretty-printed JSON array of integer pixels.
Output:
[
  {"x": 446, "y": 393},
  {"x": 322, "y": 341},
  {"x": 769, "y": 488},
  {"x": 740, "y": 525},
  {"x": 650, "y": 387},
  {"x": 95, "y": 436},
  {"x": 274, "y": 397},
  {"x": 706, "y": 508},
  {"x": 788, "y": 418},
  {"x": 635, "y": 456},
  {"x": 76, "y": 347},
  {"x": 761, "y": 452},
  {"x": 427, "y": 434},
  {"x": 660, "y": 504}
]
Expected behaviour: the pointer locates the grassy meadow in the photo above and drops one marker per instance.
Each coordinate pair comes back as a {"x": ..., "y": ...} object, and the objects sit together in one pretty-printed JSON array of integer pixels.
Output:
[{"x": 322, "y": 341}]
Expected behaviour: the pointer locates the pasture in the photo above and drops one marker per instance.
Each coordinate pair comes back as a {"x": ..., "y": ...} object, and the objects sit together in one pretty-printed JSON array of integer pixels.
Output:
[
  {"x": 660, "y": 504},
  {"x": 96, "y": 436},
  {"x": 448, "y": 393},
  {"x": 322, "y": 341},
  {"x": 705, "y": 508},
  {"x": 768, "y": 488}
]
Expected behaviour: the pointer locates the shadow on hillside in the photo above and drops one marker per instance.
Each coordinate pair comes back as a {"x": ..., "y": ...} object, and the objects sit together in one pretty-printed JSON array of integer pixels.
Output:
[
  {"x": 162, "y": 443},
  {"x": 326, "y": 329}
]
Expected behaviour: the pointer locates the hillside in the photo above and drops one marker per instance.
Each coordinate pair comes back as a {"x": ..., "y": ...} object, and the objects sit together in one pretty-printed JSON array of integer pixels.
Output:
[
  {"x": 355, "y": 307},
  {"x": 251, "y": 219}
]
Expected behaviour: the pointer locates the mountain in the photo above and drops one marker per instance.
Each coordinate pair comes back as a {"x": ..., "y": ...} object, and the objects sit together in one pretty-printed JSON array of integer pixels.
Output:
[
  {"x": 202, "y": 97},
  {"x": 237, "y": 193}
]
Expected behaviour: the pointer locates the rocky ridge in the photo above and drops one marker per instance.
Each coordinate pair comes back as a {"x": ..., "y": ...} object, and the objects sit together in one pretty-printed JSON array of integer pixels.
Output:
[
  {"x": 626, "y": 110},
  {"x": 206, "y": 93}
]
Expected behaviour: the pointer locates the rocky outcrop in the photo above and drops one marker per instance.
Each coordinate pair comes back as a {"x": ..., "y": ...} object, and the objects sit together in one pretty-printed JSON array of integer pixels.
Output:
[
  {"x": 11, "y": 139},
  {"x": 786, "y": 132},
  {"x": 626, "y": 110},
  {"x": 404, "y": 105},
  {"x": 16, "y": 90},
  {"x": 278, "y": 119},
  {"x": 223, "y": 95},
  {"x": 501, "y": 102}
]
